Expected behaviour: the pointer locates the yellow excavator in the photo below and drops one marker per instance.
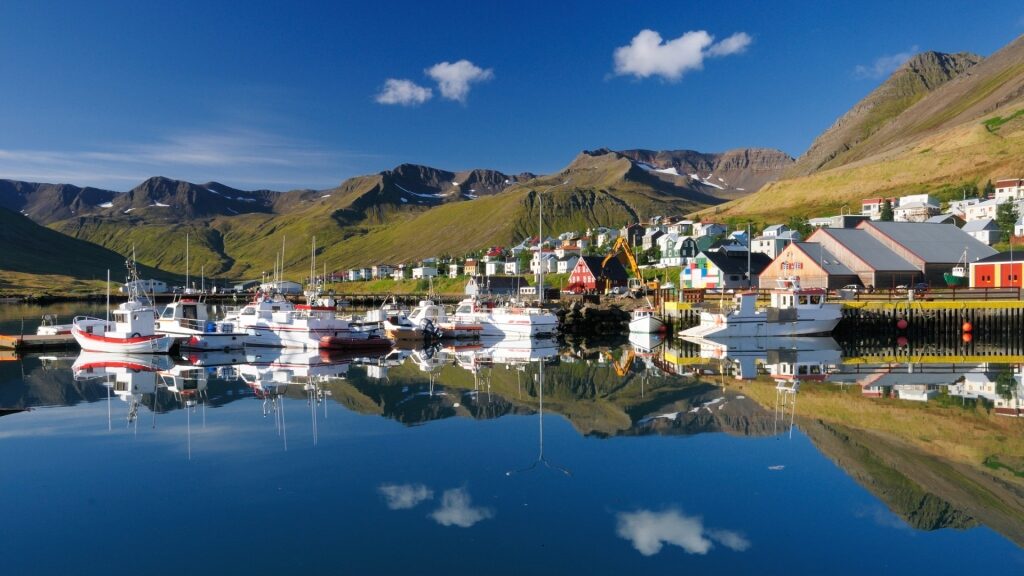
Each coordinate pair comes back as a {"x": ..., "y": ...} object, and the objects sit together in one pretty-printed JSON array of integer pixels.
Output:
[
  {"x": 636, "y": 284},
  {"x": 621, "y": 368}
]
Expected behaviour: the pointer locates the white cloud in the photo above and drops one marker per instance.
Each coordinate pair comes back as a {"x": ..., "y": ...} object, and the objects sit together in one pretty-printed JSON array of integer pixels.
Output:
[
  {"x": 649, "y": 55},
  {"x": 649, "y": 532},
  {"x": 403, "y": 93},
  {"x": 884, "y": 65},
  {"x": 405, "y": 496},
  {"x": 457, "y": 510},
  {"x": 454, "y": 78}
]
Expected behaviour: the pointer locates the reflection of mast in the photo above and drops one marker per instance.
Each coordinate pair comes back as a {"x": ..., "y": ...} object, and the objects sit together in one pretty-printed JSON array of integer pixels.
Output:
[
  {"x": 785, "y": 400},
  {"x": 540, "y": 436}
]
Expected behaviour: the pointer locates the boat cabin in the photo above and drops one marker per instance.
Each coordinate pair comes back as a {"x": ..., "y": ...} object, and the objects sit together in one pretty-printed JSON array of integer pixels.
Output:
[
  {"x": 789, "y": 294},
  {"x": 187, "y": 312}
]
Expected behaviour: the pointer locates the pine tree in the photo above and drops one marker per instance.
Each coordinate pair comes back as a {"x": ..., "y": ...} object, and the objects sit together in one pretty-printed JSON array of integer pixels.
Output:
[
  {"x": 989, "y": 190},
  {"x": 1006, "y": 219},
  {"x": 886, "y": 214}
]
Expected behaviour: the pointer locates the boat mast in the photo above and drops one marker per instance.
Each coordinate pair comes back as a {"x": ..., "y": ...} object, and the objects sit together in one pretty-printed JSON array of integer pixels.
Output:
[
  {"x": 540, "y": 249},
  {"x": 186, "y": 263},
  {"x": 108, "y": 296}
]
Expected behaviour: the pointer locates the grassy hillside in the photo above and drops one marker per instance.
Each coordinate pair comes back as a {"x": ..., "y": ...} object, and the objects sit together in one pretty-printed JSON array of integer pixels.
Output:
[
  {"x": 36, "y": 259},
  {"x": 969, "y": 153}
]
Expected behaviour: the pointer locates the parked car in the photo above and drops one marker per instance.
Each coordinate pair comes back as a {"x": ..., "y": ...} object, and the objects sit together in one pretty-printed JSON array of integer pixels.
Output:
[
  {"x": 855, "y": 288},
  {"x": 921, "y": 287}
]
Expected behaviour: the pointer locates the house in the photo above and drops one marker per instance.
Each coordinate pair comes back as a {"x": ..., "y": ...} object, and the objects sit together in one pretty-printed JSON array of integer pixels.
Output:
[
  {"x": 589, "y": 274},
  {"x": 1009, "y": 190},
  {"x": 916, "y": 198},
  {"x": 771, "y": 246},
  {"x": 872, "y": 207},
  {"x": 650, "y": 238},
  {"x": 453, "y": 269},
  {"x": 366, "y": 273},
  {"x": 981, "y": 210},
  {"x": 565, "y": 265},
  {"x": 986, "y": 231},
  {"x": 495, "y": 285},
  {"x": 845, "y": 221},
  {"x": 382, "y": 271},
  {"x": 1000, "y": 270},
  {"x": 914, "y": 211},
  {"x": 469, "y": 267},
  {"x": 563, "y": 251},
  {"x": 947, "y": 218},
  {"x": 606, "y": 236},
  {"x": 815, "y": 266},
  {"x": 667, "y": 248},
  {"x": 680, "y": 228},
  {"x": 774, "y": 230},
  {"x": 983, "y": 385},
  {"x": 424, "y": 272},
  {"x": 282, "y": 287},
  {"x": 740, "y": 236},
  {"x": 496, "y": 253},
  {"x": 959, "y": 207},
  {"x": 633, "y": 233},
  {"x": 820, "y": 222},
  {"x": 494, "y": 267},
  {"x": 709, "y": 229},
  {"x": 513, "y": 268},
  {"x": 546, "y": 261},
  {"x": 247, "y": 286},
  {"x": 355, "y": 274},
  {"x": 721, "y": 269}
]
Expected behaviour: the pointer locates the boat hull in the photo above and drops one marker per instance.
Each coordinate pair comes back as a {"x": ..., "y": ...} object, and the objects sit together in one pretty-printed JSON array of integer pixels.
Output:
[
  {"x": 954, "y": 281},
  {"x": 345, "y": 343},
  {"x": 154, "y": 344},
  {"x": 646, "y": 325},
  {"x": 721, "y": 326}
]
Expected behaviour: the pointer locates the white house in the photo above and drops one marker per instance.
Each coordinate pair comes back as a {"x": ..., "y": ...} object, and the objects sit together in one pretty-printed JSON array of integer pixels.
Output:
[
  {"x": 959, "y": 207},
  {"x": 513, "y": 268},
  {"x": 398, "y": 274},
  {"x": 669, "y": 255},
  {"x": 355, "y": 274},
  {"x": 914, "y": 211},
  {"x": 282, "y": 287},
  {"x": 774, "y": 230},
  {"x": 566, "y": 265},
  {"x": 916, "y": 198},
  {"x": 606, "y": 236},
  {"x": 548, "y": 262},
  {"x": 772, "y": 246},
  {"x": 981, "y": 210},
  {"x": 872, "y": 207},
  {"x": 148, "y": 286},
  {"x": 986, "y": 231},
  {"x": 453, "y": 270},
  {"x": 708, "y": 229},
  {"x": 494, "y": 267},
  {"x": 680, "y": 228},
  {"x": 382, "y": 271},
  {"x": 424, "y": 272},
  {"x": 1012, "y": 189}
]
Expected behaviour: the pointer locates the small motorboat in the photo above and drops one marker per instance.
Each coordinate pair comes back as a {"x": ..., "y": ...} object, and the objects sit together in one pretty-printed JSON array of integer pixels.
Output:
[{"x": 644, "y": 321}]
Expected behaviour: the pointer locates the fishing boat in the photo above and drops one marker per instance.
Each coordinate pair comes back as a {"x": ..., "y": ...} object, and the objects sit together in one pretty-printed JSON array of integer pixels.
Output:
[
  {"x": 433, "y": 319},
  {"x": 957, "y": 277},
  {"x": 508, "y": 320},
  {"x": 643, "y": 321},
  {"x": 133, "y": 329},
  {"x": 793, "y": 311},
  {"x": 188, "y": 320},
  {"x": 50, "y": 326}
]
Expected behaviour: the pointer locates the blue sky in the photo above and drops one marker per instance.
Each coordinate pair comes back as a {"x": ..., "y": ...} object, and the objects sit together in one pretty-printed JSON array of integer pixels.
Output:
[{"x": 286, "y": 95}]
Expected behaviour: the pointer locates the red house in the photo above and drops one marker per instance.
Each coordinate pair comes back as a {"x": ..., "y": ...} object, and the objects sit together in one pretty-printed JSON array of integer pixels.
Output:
[{"x": 589, "y": 275}]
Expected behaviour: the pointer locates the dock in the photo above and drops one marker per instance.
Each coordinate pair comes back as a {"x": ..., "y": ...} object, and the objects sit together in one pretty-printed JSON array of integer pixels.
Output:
[{"x": 32, "y": 342}]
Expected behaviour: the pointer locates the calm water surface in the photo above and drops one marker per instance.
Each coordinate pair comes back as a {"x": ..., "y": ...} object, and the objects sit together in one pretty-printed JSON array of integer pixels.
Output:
[{"x": 442, "y": 462}]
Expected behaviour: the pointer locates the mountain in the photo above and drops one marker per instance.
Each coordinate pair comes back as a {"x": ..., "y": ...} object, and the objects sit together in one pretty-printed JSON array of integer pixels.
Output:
[
  {"x": 47, "y": 261},
  {"x": 726, "y": 175},
  {"x": 961, "y": 133},
  {"x": 408, "y": 212},
  {"x": 46, "y": 203},
  {"x": 850, "y": 136}
]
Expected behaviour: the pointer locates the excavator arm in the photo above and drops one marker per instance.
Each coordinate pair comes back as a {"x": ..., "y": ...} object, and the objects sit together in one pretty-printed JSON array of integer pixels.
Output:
[{"x": 622, "y": 245}]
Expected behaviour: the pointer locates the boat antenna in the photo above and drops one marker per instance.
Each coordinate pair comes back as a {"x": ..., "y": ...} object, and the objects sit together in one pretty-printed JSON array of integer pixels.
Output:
[
  {"x": 186, "y": 263},
  {"x": 108, "y": 296}
]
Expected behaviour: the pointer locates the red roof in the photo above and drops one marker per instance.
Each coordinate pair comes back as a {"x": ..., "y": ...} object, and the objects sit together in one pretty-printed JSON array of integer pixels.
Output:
[{"x": 1009, "y": 183}]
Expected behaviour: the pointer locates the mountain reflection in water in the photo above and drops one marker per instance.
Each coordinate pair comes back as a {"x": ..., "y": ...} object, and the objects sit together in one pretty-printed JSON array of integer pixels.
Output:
[{"x": 888, "y": 423}]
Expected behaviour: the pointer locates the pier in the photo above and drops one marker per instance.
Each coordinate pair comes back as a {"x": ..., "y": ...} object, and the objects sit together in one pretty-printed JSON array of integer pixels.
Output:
[{"x": 33, "y": 342}]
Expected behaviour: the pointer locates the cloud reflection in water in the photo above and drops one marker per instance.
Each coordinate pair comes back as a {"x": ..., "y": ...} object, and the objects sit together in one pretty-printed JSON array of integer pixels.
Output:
[{"x": 649, "y": 531}]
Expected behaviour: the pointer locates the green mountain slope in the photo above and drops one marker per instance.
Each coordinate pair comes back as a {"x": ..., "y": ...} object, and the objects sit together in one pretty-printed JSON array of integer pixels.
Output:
[
  {"x": 968, "y": 130},
  {"x": 41, "y": 259},
  {"x": 849, "y": 137}
]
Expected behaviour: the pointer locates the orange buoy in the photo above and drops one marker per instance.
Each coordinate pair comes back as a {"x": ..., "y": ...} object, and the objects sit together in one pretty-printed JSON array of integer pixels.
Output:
[
  {"x": 902, "y": 324},
  {"x": 967, "y": 337},
  {"x": 967, "y": 327}
]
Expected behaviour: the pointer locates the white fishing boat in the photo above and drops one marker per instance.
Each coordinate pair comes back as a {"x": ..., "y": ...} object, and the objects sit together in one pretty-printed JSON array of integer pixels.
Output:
[
  {"x": 644, "y": 321},
  {"x": 188, "y": 320},
  {"x": 793, "y": 311},
  {"x": 786, "y": 358},
  {"x": 506, "y": 320},
  {"x": 271, "y": 320},
  {"x": 132, "y": 331},
  {"x": 433, "y": 319}
]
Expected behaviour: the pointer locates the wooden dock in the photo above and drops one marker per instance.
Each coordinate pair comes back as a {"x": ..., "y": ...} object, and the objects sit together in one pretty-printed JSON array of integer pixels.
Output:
[{"x": 31, "y": 342}]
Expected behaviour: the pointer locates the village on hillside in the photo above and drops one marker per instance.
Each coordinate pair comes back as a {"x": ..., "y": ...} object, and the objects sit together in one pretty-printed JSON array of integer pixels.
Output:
[{"x": 893, "y": 243}]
